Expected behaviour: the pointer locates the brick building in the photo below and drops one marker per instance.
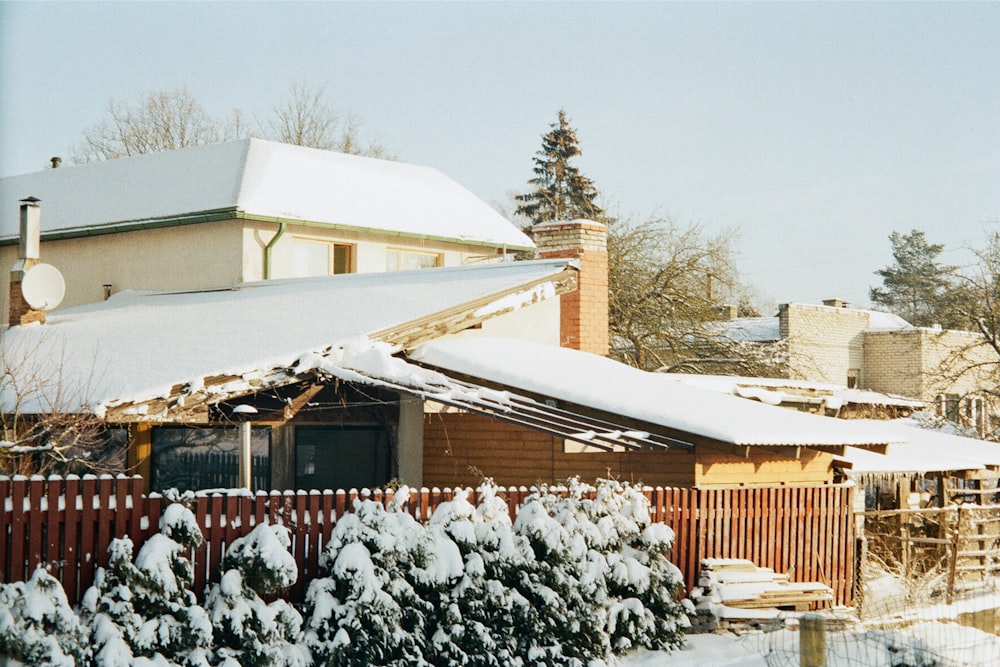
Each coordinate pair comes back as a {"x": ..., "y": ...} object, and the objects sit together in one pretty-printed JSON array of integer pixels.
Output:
[{"x": 868, "y": 349}]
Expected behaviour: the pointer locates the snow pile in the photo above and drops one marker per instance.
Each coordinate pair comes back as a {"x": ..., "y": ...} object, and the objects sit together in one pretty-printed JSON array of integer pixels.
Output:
[{"x": 570, "y": 581}]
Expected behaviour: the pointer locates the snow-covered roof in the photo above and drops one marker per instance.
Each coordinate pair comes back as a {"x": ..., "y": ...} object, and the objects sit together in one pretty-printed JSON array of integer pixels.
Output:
[
  {"x": 603, "y": 384},
  {"x": 750, "y": 329},
  {"x": 925, "y": 450},
  {"x": 139, "y": 345},
  {"x": 767, "y": 329},
  {"x": 257, "y": 179},
  {"x": 775, "y": 391}
]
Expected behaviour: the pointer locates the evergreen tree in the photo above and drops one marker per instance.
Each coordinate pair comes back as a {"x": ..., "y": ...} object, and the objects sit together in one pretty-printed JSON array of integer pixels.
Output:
[
  {"x": 560, "y": 192},
  {"x": 248, "y": 631},
  {"x": 37, "y": 625},
  {"x": 916, "y": 285},
  {"x": 148, "y": 608}
]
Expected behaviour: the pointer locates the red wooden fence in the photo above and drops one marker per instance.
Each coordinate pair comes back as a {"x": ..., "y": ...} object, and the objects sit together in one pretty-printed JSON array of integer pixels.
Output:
[{"x": 68, "y": 524}]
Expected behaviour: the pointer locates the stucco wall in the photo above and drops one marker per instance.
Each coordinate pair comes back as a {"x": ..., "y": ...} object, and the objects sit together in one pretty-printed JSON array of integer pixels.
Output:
[
  {"x": 187, "y": 257},
  {"x": 206, "y": 255},
  {"x": 369, "y": 249}
]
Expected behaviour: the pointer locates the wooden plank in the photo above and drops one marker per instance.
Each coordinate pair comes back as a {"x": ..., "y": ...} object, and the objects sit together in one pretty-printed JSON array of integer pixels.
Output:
[
  {"x": 216, "y": 535},
  {"x": 35, "y": 524},
  {"x": 299, "y": 540},
  {"x": 18, "y": 530},
  {"x": 314, "y": 511},
  {"x": 200, "y": 557},
  {"x": 71, "y": 536},
  {"x": 105, "y": 519},
  {"x": 727, "y": 521},
  {"x": 88, "y": 541},
  {"x": 54, "y": 538}
]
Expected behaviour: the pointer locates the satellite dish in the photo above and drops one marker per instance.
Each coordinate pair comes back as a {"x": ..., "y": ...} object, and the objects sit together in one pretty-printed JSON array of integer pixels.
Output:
[{"x": 43, "y": 287}]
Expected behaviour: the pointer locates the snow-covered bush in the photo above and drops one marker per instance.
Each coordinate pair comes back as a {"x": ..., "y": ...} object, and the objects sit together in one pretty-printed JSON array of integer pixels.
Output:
[
  {"x": 486, "y": 622},
  {"x": 249, "y": 632},
  {"x": 37, "y": 625},
  {"x": 148, "y": 607},
  {"x": 570, "y": 581},
  {"x": 367, "y": 611},
  {"x": 107, "y": 608}
]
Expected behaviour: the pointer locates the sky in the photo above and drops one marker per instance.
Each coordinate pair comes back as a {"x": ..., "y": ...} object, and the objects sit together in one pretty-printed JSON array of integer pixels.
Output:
[{"x": 810, "y": 130}]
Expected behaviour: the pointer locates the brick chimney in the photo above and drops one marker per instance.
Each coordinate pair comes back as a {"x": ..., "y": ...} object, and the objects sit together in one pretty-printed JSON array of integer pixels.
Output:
[
  {"x": 583, "y": 313},
  {"x": 27, "y": 257}
]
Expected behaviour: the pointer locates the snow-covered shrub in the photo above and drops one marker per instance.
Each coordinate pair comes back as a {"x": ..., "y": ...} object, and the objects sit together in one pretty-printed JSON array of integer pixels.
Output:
[
  {"x": 251, "y": 633},
  {"x": 642, "y": 582},
  {"x": 37, "y": 625},
  {"x": 107, "y": 608},
  {"x": 486, "y": 622},
  {"x": 608, "y": 563},
  {"x": 367, "y": 611},
  {"x": 248, "y": 631},
  {"x": 566, "y": 581},
  {"x": 264, "y": 559},
  {"x": 148, "y": 608}
]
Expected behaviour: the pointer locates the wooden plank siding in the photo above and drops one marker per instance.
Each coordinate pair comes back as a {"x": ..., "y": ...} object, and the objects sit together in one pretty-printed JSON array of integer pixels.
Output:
[
  {"x": 460, "y": 449},
  {"x": 68, "y": 524}
]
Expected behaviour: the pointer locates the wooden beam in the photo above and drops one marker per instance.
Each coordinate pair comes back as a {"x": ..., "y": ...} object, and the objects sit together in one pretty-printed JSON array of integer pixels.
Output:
[
  {"x": 467, "y": 315},
  {"x": 301, "y": 400}
]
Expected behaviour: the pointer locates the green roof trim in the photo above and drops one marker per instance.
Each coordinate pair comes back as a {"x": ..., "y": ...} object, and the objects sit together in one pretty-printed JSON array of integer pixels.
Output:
[
  {"x": 374, "y": 230},
  {"x": 234, "y": 213},
  {"x": 216, "y": 215}
]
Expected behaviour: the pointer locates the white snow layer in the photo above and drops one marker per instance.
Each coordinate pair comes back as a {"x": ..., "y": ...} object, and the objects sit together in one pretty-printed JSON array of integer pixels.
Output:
[
  {"x": 601, "y": 383},
  {"x": 261, "y": 179},
  {"x": 137, "y": 345}
]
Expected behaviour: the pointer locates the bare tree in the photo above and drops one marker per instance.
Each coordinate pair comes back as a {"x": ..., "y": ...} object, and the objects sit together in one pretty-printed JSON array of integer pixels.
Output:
[
  {"x": 666, "y": 283},
  {"x": 307, "y": 118},
  {"x": 41, "y": 428},
  {"x": 171, "y": 119},
  {"x": 159, "y": 121}
]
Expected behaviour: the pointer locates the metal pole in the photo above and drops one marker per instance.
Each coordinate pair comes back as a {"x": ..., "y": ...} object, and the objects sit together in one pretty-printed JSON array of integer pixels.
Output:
[{"x": 246, "y": 474}]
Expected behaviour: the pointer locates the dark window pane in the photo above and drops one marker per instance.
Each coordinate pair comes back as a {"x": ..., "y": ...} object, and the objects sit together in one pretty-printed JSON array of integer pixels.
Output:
[
  {"x": 191, "y": 459},
  {"x": 340, "y": 457}
]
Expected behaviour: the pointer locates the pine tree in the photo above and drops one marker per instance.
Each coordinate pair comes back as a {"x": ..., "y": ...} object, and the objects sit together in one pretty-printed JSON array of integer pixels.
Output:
[
  {"x": 916, "y": 285},
  {"x": 560, "y": 192}
]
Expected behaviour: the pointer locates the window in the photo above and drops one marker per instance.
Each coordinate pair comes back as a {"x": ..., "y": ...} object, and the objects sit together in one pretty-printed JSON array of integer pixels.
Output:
[
  {"x": 852, "y": 378},
  {"x": 341, "y": 457},
  {"x": 404, "y": 260},
  {"x": 309, "y": 257},
  {"x": 948, "y": 406},
  {"x": 207, "y": 458}
]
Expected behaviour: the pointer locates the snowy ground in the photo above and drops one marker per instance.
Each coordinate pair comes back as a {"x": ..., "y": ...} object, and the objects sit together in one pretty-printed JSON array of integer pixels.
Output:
[
  {"x": 703, "y": 651},
  {"x": 938, "y": 644}
]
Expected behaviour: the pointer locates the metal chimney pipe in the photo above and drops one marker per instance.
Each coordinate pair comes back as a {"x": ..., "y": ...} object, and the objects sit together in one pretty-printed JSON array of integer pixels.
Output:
[
  {"x": 29, "y": 244},
  {"x": 56, "y": 161},
  {"x": 28, "y": 248}
]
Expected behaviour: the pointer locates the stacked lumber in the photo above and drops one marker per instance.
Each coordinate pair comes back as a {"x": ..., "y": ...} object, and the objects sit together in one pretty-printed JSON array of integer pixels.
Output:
[{"x": 736, "y": 588}]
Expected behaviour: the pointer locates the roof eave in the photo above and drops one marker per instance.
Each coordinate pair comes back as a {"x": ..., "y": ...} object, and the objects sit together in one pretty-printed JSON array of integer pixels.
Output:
[{"x": 235, "y": 213}]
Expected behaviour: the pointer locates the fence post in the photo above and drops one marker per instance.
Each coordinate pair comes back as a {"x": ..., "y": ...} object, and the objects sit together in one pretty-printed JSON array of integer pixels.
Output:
[
  {"x": 812, "y": 641},
  {"x": 953, "y": 565}
]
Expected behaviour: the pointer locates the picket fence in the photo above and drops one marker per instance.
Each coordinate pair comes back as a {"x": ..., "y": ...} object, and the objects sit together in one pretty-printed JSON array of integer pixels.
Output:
[{"x": 67, "y": 524}]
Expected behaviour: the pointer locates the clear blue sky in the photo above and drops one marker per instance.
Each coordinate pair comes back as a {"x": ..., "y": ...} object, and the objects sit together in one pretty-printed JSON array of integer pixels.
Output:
[{"x": 813, "y": 129}]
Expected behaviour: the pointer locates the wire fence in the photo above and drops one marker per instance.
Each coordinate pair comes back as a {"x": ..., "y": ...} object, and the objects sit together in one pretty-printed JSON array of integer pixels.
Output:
[{"x": 928, "y": 596}]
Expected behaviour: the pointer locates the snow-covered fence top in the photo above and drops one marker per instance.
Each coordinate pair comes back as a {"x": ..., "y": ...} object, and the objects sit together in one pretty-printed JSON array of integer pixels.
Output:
[{"x": 68, "y": 523}]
